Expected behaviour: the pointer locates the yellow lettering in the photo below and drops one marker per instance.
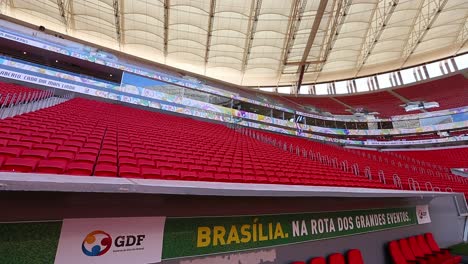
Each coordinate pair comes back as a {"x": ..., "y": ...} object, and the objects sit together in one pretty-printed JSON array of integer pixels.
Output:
[
  {"x": 233, "y": 235},
  {"x": 270, "y": 231},
  {"x": 218, "y": 235},
  {"x": 203, "y": 238},
  {"x": 245, "y": 232},
  {"x": 254, "y": 230},
  {"x": 261, "y": 236},
  {"x": 278, "y": 231}
]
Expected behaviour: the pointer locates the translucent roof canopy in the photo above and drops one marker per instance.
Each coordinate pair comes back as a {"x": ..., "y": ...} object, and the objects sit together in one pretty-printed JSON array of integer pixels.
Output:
[{"x": 262, "y": 42}]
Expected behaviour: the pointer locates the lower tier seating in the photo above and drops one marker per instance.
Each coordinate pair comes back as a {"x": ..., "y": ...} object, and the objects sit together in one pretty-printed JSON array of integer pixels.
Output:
[
  {"x": 85, "y": 137},
  {"x": 419, "y": 175},
  {"x": 451, "y": 158}
]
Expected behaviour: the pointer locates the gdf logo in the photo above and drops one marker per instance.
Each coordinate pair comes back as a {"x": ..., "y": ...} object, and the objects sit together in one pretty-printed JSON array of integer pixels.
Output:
[
  {"x": 98, "y": 243},
  {"x": 422, "y": 214}
]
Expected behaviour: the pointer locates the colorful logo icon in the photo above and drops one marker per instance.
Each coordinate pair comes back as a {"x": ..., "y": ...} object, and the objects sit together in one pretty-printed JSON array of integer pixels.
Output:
[
  {"x": 96, "y": 243},
  {"x": 422, "y": 214}
]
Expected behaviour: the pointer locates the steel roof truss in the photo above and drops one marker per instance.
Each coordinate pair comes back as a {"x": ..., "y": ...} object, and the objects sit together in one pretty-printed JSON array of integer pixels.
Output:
[
  {"x": 430, "y": 10},
  {"x": 383, "y": 12}
]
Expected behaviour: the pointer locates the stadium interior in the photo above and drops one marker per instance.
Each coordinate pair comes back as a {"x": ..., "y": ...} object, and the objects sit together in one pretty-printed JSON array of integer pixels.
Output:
[{"x": 243, "y": 132}]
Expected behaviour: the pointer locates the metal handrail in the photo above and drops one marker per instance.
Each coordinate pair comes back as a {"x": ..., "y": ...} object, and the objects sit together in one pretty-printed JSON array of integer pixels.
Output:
[
  {"x": 430, "y": 186},
  {"x": 368, "y": 173},
  {"x": 382, "y": 176},
  {"x": 355, "y": 169},
  {"x": 397, "y": 181}
]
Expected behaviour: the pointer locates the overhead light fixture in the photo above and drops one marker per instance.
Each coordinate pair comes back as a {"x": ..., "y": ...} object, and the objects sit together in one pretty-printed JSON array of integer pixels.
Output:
[
  {"x": 110, "y": 74},
  {"x": 56, "y": 60},
  {"x": 24, "y": 52}
]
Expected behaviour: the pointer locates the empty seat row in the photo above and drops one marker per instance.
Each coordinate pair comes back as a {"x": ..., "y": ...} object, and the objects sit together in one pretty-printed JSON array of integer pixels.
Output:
[{"x": 353, "y": 256}]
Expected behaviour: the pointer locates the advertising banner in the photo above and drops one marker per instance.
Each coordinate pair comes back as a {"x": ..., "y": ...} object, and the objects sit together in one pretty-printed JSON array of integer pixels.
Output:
[
  {"x": 111, "y": 240},
  {"x": 142, "y": 240},
  {"x": 38, "y": 80},
  {"x": 185, "y": 237}
]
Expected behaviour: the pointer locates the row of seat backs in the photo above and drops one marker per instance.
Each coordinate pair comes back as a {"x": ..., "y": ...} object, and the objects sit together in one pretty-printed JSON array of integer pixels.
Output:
[
  {"x": 417, "y": 249},
  {"x": 353, "y": 256}
]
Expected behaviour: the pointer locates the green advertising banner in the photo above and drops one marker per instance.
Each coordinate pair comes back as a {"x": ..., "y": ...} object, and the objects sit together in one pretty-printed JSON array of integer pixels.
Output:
[
  {"x": 195, "y": 236},
  {"x": 185, "y": 237}
]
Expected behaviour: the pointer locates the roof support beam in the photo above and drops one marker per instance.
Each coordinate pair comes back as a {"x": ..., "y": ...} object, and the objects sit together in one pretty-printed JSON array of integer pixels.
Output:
[
  {"x": 342, "y": 11},
  {"x": 254, "y": 13},
  {"x": 295, "y": 17},
  {"x": 63, "y": 14},
  {"x": 299, "y": 80},
  {"x": 117, "y": 23},
  {"x": 380, "y": 18},
  {"x": 314, "y": 29},
  {"x": 167, "y": 4},
  {"x": 463, "y": 34},
  {"x": 313, "y": 32},
  {"x": 210, "y": 29},
  {"x": 6, "y": 6},
  {"x": 430, "y": 10}
]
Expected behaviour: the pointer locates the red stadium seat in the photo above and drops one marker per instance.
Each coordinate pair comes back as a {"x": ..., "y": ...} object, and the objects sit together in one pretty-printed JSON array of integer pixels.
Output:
[
  {"x": 396, "y": 254},
  {"x": 86, "y": 158},
  {"x": 151, "y": 173},
  {"x": 408, "y": 253},
  {"x": 105, "y": 170},
  {"x": 51, "y": 166},
  {"x": 418, "y": 253},
  {"x": 434, "y": 247},
  {"x": 336, "y": 258},
  {"x": 170, "y": 174},
  {"x": 10, "y": 152},
  {"x": 189, "y": 175},
  {"x": 62, "y": 155},
  {"x": 427, "y": 251},
  {"x": 130, "y": 171},
  {"x": 80, "y": 168},
  {"x": 19, "y": 165},
  {"x": 354, "y": 256},
  {"x": 38, "y": 154},
  {"x": 318, "y": 260}
]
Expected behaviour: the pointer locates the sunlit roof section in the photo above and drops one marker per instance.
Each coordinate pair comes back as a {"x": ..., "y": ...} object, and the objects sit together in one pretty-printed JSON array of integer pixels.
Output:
[{"x": 266, "y": 43}]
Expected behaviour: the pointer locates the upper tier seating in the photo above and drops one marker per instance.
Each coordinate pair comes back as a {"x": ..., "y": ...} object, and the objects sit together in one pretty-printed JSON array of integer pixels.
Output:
[
  {"x": 382, "y": 102},
  {"x": 280, "y": 100},
  {"x": 323, "y": 103},
  {"x": 84, "y": 137},
  {"x": 450, "y": 92}
]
